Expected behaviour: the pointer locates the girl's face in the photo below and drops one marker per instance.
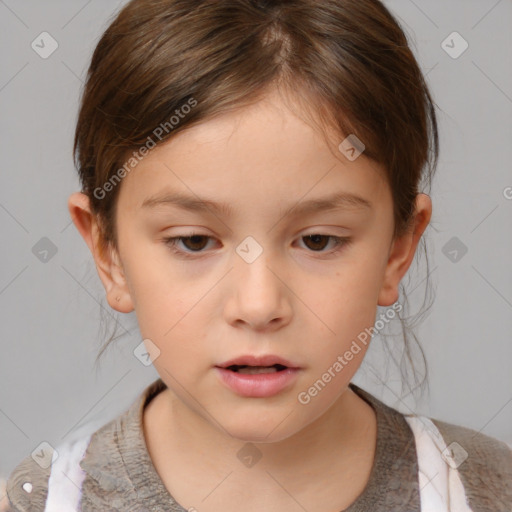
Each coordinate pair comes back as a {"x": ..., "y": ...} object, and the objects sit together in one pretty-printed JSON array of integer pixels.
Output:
[{"x": 284, "y": 262}]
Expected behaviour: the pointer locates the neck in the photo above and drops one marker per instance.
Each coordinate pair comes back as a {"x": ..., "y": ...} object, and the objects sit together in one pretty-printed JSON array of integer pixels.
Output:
[{"x": 339, "y": 445}]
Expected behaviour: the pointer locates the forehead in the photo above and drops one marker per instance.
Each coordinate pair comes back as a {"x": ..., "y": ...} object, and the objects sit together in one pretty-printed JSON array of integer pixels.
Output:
[{"x": 262, "y": 152}]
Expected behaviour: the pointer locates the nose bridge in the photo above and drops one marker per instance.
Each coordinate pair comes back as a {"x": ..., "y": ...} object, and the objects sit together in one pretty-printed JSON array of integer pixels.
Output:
[
  {"x": 258, "y": 294},
  {"x": 252, "y": 268}
]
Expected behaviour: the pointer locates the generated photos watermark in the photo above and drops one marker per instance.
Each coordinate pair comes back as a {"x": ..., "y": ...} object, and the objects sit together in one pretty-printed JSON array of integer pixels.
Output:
[
  {"x": 304, "y": 397},
  {"x": 159, "y": 132}
]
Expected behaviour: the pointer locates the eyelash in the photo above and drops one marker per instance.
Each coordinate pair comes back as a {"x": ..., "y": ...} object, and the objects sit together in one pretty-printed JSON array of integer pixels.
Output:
[{"x": 171, "y": 242}]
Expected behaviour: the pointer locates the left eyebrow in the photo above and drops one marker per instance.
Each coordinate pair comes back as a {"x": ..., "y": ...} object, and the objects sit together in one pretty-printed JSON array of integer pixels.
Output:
[{"x": 336, "y": 201}]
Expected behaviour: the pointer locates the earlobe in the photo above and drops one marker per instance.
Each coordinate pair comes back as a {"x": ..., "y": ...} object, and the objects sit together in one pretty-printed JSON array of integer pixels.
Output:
[
  {"x": 403, "y": 250},
  {"x": 106, "y": 259}
]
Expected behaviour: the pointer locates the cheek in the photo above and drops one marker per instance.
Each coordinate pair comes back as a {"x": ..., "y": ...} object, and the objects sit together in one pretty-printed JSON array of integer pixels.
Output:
[
  {"x": 346, "y": 303},
  {"x": 346, "y": 308},
  {"x": 163, "y": 296},
  {"x": 170, "y": 313}
]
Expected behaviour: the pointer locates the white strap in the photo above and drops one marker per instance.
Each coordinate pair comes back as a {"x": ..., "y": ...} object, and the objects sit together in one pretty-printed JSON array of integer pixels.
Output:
[
  {"x": 441, "y": 489},
  {"x": 66, "y": 477}
]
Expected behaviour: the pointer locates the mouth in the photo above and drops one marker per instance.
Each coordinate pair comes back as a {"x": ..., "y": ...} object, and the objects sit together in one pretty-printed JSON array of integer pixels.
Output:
[
  {"x": 253, "y": 370},
  {"x": 258, "y": 376},
  {"x": 257, "y": 364}
]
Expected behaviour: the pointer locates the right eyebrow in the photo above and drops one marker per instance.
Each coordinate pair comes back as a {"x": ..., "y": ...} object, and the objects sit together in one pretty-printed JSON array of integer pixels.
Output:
[{"x": 186, "y": 202}]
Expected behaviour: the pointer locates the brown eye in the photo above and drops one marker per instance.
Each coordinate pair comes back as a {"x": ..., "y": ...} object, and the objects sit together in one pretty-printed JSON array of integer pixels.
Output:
[
  {"x": 194, "y": 243},
  {"x": 318, "y": 242},
  {"x": 197, "y": 242}
]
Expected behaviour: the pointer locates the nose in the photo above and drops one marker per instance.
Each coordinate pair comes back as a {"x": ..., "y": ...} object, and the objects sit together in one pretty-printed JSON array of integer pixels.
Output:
[{"x": 259, "y": 297}]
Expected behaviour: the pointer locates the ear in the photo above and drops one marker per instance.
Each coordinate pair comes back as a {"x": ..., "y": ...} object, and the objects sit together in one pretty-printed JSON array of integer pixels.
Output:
[
  {"x": 106, "y": 258},
  {"x": 402, "y": 251}
]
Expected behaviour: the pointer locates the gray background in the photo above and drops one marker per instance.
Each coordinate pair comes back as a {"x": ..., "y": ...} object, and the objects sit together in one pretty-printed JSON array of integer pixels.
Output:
[{"x": 51, "y": 311}]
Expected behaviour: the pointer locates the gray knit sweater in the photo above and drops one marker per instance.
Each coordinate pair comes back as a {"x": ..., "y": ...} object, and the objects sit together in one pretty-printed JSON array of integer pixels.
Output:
[{"x": 120, "y": 476}]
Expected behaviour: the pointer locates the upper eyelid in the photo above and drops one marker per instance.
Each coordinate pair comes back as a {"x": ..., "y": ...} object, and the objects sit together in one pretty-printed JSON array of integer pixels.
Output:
[
  {"x": 190, "y": 235},
  {"x": 340, "y": 240}
]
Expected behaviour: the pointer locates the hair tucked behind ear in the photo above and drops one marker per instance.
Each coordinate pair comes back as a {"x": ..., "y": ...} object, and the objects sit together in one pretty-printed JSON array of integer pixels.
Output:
[{"x": 348, "y": 62}]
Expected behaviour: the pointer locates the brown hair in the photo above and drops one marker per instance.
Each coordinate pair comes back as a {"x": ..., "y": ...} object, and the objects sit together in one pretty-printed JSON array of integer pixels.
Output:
[{"x": 347, "y": 61}]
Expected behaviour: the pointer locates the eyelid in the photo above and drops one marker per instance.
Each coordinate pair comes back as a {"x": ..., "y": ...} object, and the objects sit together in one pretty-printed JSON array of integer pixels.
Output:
[{"x": 340, "y": 243}]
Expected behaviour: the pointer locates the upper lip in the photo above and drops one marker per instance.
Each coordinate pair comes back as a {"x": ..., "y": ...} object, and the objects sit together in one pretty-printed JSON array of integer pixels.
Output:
[{"x": 250, "y": 360}]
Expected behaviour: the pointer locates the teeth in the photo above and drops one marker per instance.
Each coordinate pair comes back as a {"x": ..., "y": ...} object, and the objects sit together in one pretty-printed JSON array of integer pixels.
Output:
[{"x": 251, "y": 370}]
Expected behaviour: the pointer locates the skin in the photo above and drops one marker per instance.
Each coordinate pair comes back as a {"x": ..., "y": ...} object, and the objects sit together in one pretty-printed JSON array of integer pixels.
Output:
[{"x": 302, "y": 301}]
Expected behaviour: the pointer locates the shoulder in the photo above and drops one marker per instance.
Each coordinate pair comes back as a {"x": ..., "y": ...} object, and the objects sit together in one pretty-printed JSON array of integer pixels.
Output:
[
  {"x": 90, "y": 459},
  {"x": 27, "y": 485},
  {"x": 484, "y": 464},
  {"x": 50, "y": 475}
]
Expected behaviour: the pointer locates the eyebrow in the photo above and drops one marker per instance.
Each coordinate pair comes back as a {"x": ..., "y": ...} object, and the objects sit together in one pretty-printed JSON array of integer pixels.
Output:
[{"x": 336, "y": 201}]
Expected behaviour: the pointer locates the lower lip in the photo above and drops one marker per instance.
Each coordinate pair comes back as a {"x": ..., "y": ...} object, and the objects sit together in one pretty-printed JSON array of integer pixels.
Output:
[{"x": 259, "y": 385}]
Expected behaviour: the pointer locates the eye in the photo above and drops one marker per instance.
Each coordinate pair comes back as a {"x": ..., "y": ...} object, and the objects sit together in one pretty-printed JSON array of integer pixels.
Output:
[
  {"x": 318, "y": 242},
  {"x": 194, "y": 243}
]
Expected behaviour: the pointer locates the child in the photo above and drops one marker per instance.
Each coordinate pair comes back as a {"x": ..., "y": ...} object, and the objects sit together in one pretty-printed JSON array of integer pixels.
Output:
[{"x": 260, "y": 129}]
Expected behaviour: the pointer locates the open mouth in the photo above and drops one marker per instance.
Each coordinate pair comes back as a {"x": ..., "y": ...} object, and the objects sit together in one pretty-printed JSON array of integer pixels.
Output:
[
  {"x": 257, "y": 378},
  {"x": 252, "y": 370}
]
